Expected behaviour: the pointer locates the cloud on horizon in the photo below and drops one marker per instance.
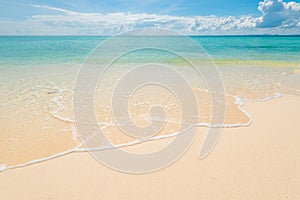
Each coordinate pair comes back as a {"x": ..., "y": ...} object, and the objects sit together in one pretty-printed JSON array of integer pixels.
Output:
[
  {"x": 277, "y": 13},
  {"x": 278, "y": 17}
]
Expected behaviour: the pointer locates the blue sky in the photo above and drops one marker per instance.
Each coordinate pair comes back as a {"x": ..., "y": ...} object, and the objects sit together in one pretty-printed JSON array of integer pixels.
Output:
[
  {"x": 21, "y": 8},
  {"x": 106, "y": 17}
]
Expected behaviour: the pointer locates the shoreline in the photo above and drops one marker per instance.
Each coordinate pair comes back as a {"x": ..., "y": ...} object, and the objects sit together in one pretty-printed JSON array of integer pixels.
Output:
[
  {"x": 266, "y": 151},
  {"x": 238, "y": 102},
  {"x": 56, "y": 96}
]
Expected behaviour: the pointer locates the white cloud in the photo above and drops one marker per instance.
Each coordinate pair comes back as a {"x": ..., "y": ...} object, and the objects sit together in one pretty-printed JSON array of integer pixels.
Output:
[
  {"x": 278, "y": 17},
  {"x": 118, "y": 22},
  {"x": 277, "y": 13}
]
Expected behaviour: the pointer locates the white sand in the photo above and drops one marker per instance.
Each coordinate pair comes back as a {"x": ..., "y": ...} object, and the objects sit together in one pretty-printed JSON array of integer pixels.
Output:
[{"x": 258, "y": 162}]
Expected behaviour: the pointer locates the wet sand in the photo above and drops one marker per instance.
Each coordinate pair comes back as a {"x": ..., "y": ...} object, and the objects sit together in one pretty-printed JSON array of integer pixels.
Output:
[{"x": 256, "y": 162}]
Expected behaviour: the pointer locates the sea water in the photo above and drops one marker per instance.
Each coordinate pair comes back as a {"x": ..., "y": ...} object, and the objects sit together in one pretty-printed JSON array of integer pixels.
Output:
[{"x": 38, "y": 75}]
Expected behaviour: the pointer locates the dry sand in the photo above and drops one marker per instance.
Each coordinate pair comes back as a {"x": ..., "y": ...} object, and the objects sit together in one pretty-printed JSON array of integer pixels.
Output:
[{"x": 257, "y": 162}]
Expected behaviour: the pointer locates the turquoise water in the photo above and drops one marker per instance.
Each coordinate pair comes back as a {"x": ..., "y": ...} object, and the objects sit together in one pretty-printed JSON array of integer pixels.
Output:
[
  {"x": 37, "y": 84},
  {"x": 24, "y": 50}
]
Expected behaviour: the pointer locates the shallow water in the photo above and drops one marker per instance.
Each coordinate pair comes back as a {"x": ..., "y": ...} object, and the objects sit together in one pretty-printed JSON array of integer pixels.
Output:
[{"x": 38, "y": 74}]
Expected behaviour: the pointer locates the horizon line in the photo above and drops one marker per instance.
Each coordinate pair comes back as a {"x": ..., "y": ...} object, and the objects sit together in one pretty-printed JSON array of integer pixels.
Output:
[{"x": 211, "y": 35}]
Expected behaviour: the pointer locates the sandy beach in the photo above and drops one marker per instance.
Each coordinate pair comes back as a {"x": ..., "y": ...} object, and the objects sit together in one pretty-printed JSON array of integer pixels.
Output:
[
  {"x": 256, "y": 162},
  {"x": 117, "y": 99}
]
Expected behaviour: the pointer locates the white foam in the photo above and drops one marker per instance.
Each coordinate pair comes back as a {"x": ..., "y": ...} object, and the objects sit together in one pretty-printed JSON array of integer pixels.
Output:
[
  {"x": 64, "y": 119},
  {"x": 74, "y": 133},
  {"x": 238, "y": 101},
  {"x": 2, "y": 167},
  {"x": 41, "y": 159},
  {"x": 59, "y": 106}
]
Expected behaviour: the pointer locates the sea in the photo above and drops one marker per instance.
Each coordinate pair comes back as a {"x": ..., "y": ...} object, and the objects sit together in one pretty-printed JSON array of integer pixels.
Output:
[{"x": 51, "y": 84}]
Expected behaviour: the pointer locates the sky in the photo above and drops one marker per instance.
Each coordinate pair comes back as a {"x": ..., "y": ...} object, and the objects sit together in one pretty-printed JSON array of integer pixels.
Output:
[{"x": 108, "y": 17}]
